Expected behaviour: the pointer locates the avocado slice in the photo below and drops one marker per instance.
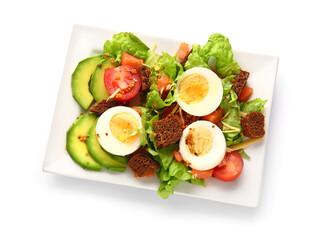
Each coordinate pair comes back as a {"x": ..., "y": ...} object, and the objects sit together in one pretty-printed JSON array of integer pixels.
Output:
[
  {"x": 107, "y": 160},
  {"x": 76, "y": 142},
  {"x": 80, "y": 81},
  {"x": 97, "y": 84}
]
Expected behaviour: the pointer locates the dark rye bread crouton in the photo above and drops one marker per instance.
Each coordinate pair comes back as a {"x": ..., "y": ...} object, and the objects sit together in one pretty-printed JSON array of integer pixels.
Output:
[
  {"x": 168, "y": 131},
  {"x": 100, "y": 107},
  {"x": 240, "y": 81},
  {"x": 142, "y": 165},
  {"x": 144, "y": 73},
  {"x": 253, "y": 125}
]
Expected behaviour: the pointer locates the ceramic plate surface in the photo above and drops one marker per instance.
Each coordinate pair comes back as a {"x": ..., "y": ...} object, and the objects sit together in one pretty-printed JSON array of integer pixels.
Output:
[{"x": 88, "y": 41}]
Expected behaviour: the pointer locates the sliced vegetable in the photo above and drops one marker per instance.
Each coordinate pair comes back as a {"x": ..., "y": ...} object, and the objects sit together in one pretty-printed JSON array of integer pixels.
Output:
[
  {"x": 232, "y": 168},
  {"x": 214, "y": 117},
  {"x": 177, "y": 155},
  {"x": 245, "y": 94},
  {"x": 127, "y": 59},
  {"x": 202, "y": 174},
  {"x": 124, "y": 80},
  {"x": 183, "y": 50},
  {"x": 164, "y": 86}
]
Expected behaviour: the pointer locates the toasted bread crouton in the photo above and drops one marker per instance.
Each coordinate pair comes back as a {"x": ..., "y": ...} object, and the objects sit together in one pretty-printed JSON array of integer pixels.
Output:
[
  {"x": 168, "y": 131},
  {"x": 144, "y": 73},
  {"x": 253, "y": 125},
  {"x": 100, "y": 107},
  {"x": 240, "y": 82},
  {"x": 142, "y": 165}
]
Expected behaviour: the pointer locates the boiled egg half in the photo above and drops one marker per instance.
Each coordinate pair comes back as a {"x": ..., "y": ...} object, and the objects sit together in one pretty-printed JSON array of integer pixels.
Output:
[
  {"x": 117, "y": 130},
  {"x": 200, "y": 91},
  {"x": 202, "y": 145}
]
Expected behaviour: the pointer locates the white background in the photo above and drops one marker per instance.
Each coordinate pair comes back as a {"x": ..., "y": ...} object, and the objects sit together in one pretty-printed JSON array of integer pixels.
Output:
[{"x": 34, "y": 38}]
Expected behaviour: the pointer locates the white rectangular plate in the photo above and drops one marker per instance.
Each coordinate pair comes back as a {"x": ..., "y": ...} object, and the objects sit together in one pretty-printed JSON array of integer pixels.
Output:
[{"x": 88, "y": 41}]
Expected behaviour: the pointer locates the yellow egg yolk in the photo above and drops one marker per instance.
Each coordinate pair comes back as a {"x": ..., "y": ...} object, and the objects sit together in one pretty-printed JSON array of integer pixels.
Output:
[
  {"x": 199, "y": 141},
  {"x": 193, "y": 88},
  {"x": 123, "y": 127}
]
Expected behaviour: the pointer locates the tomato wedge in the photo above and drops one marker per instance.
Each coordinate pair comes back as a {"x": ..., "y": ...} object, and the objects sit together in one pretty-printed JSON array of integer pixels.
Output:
[
  {"x": 130, "y": 60},
  {"x": 183, "y": 50},
  {"x": 245, "y": 94},
  {"x": 126, "y": 79},
  {"x": 202, "y": 174},
  {"x": 231, "y": 169},
  {"x": 177, "y": 155},
  {"x": 163, "y": 84},
  {"x": 214, "y": 117}
]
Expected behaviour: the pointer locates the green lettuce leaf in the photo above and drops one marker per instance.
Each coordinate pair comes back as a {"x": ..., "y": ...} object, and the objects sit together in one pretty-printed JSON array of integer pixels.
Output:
[
  {"x": 176, "y": 173},
  {"x": 168, "y": 66},
  {"x": 255, "y": 105},
  {"x": 163, "y": 175},
  {"x": 154, "y": 100},
  {"x": 231, "y": 109},
  {"x": 128, "y": 42},
  {"x": 197, "y": 181},
  {"x": 227, "y": 84},
  {"x": 166, "y": 188},
  {"x": 197, "y": 58},
  {"x": 179, "y": 170},
  {"x": 152, "y": 59},
  {"x": 219, "y": 47},
  {"x": 165, "y": 156}
]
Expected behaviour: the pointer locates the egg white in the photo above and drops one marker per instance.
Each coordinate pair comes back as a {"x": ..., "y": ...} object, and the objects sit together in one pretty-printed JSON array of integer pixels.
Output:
[
  {"x": 213, "y": 97},
  {"x": 210, "y": 159},
  {"x": 109, "y": 142}
]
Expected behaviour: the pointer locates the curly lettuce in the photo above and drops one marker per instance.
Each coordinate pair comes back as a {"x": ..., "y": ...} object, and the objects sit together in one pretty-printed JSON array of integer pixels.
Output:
[
  {"x": 219, "y": 47},
  {"x": 197, "y": 58},
  {"x": 167, "y": 65},
  {"x": 125, "y": 42}
]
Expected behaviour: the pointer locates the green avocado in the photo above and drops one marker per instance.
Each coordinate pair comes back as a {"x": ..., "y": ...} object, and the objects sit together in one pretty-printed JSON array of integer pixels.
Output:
[
  {"x": 97, "y": 84},
  {"x": 107, "y": 160},
  {"x": 80, "y": 81},
  {"x": 76, "y": 142}
]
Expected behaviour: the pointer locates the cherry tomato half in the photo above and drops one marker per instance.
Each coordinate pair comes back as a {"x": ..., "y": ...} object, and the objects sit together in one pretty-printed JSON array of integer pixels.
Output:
[
  {"x": 231, "y": 169},
  {"x": 124, "y": 78}
]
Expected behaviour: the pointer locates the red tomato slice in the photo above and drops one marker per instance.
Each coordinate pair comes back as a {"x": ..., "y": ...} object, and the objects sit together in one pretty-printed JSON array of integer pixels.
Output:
[
  {"x": 124, "y": 78},
  {"x": 202, "y": 174},
  {"x": 215, "y": 116},
  {"x": 130, "y": 60},
  {"x": 245, "y": 94},
  {"x": 231, "y": 169},
  {"x": 177, "y": 155}
]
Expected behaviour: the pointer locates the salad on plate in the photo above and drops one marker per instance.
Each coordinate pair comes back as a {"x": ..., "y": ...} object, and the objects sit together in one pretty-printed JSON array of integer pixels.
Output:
[{"x": 183, "y": 116}]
